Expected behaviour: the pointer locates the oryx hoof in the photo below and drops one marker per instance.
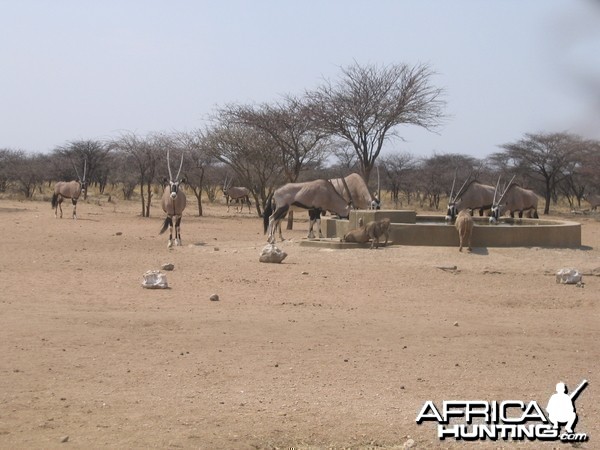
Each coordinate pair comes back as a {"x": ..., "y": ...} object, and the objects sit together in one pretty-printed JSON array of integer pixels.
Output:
[{"x": 170, "y": 244}]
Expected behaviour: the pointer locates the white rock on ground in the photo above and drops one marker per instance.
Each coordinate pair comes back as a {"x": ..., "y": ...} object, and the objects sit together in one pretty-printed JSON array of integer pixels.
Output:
[{"x": 272, "y": 254}]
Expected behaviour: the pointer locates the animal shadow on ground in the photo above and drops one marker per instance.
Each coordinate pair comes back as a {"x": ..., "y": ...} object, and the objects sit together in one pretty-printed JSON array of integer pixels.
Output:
[{"x": 483, "y": 251}]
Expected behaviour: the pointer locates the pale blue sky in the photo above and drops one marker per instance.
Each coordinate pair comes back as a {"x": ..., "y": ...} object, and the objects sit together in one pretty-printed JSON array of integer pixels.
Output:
[{"x": 79, "y": 69}]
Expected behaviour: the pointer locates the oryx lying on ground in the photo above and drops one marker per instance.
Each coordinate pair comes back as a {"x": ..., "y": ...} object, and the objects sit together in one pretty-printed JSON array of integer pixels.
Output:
[
  {"x": 241, "y": 195},
  {"x": 316, "y": 196},
  {"x": 472, "y": 195},
  {"x": 173, "y": 203},
  {"x": 464, "y": 225},
  {"x": 69, "y": 189},
  {"x": 514, "y": 199},
  {"x": 372, "y": 230}
]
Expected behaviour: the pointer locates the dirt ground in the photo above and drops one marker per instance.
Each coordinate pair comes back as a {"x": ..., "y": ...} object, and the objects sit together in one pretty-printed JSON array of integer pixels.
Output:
[{"x": 332, "y": 348}]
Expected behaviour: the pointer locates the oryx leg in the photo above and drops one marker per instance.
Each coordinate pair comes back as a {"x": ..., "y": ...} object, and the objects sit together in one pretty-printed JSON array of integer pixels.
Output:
[
  {"x": 169, "y": 221},
  {"x": 227, "y": 202},
  {"x": 275, "y": 223},
  {"x": 58, "y": 206},
  {"x": 520, "y": 214},
  {"x": 178, "y": 231},
  {"x": 314, "y": 216},
  {"x": 74, "y": 200}
]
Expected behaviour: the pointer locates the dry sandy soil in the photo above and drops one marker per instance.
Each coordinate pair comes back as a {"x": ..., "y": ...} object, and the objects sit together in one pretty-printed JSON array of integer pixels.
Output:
[{"x": 332, "y": 348}]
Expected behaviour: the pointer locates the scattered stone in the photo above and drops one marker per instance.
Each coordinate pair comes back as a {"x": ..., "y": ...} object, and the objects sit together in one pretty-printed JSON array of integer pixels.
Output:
[
  {"x": 214, "y": 298},
  {"x": 455, "y": 324},
  {"x": 568, "y": 276},
  {"x": 446, "y": 267},
  {"x": 64, "y": 439},
  {"x": 118, "y": 233},
  {"x": 304, "y": 273},
  {"x": 409, "y": 444},
  {"x": 272, "y": 254},
  {"x": 168, "y": 266},
  {"x": 155, "y": 279},
  {"x": 216, "y": 249},
  {"x": 580, "y": 284}
]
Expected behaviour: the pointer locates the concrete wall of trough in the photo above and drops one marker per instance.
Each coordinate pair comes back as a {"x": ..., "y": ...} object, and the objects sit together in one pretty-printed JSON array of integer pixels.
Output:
[{"x": 524, "y": 233}]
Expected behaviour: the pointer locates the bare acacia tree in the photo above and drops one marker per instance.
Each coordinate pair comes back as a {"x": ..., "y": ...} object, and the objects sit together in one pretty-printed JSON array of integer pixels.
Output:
[
  {"x": 543, "y": 157},
  {"x": 92, "y": 154},
  {"x": 395, "y": 173},
  {"x": 144, "y": 153},
  {"x": 290, "y": 126},
  {"x": 197, "y": 160},
  {"x": 251, "y": 154},
  {"x": 367, "y": 104}
]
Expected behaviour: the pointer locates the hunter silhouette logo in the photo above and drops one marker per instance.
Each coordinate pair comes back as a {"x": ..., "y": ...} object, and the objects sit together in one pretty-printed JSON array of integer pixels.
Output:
[
  {"x": 561, "y": 408},
  {"x": 472, "y": 420}
]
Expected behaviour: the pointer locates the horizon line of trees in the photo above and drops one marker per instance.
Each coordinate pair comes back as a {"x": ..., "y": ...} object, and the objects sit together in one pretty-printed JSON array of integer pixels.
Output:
[{"x": 338, "y": 128}]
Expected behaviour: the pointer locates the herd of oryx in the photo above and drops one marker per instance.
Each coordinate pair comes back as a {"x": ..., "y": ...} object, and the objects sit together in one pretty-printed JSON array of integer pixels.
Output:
[{"x": 337, "y": 196}]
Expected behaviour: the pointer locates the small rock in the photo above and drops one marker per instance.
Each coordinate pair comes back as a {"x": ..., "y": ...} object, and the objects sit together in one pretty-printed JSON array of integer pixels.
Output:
[
  {"x": 455, "y": 324},
  {"x": 155, "y": 279},
  {"x": 216, "y": 249},
  {"x": 409, "y": 444},
  {"x": 304, "y": 273},
  {"x": 168, "y": 266},
  {"x": 272, "y": 254},
  {"x": 568, "y": 276},
  {"x": 214, "y": 298},
  {"x": 64, "y": 439},
  {"x": 118, "y": 233}
]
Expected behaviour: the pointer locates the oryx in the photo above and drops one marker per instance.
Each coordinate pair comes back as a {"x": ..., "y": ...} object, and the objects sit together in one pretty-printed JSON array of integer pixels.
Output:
[
  {"x": 471, "y": 195},
  {"x": 593, "y": 200},
  {"x": 316, "y": 196},
  {"x": 513, "y": 198},
  {"x": 239, "y": 194},
  {"x": 173, "y": 203},
  {"x": 354, "y": 187},
  {"x": 69, "y": 189}
]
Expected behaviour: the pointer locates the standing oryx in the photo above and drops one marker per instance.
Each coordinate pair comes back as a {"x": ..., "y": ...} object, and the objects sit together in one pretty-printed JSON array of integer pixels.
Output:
[
  {"x": 69, "y": 189},
  {"x": 173, "y": 203},
  {"x": 472, "y": 195},
  {"x": 239, "y": 194},
  {"x": 316, "y": 196},
  {"x": 514, "y": 199}
]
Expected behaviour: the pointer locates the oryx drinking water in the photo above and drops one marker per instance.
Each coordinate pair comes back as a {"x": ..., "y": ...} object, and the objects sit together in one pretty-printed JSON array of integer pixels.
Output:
[
  {"x": 69, "y": 189},
  {"x": 173, "y": 203},
  {"x": 472, "y": 195},
  {"x": 239, "y": 194},
  {"x": 316, "y": 196},
  {"x": 513, "y": 198},
  {"x": 353, "y": 187}
]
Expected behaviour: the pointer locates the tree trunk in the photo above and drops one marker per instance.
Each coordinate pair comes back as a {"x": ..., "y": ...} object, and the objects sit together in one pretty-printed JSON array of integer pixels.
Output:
[
  {"x": 199, "y": 199},
  {"x": 143, "y": 199},
  {"x": 149, "y": 187}
]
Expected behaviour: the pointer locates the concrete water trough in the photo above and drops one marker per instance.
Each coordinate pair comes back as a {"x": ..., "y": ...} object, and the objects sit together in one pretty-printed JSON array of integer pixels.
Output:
[{"x": 408, "y": 228}]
